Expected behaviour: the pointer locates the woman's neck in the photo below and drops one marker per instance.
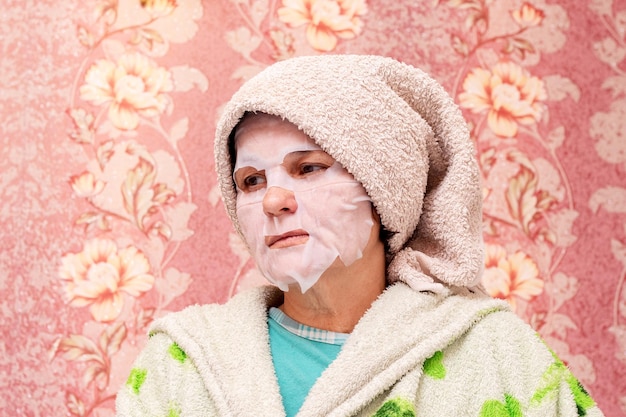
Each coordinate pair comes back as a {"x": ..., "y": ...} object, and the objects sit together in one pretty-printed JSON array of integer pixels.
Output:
[{"x": 342, "y": 295}]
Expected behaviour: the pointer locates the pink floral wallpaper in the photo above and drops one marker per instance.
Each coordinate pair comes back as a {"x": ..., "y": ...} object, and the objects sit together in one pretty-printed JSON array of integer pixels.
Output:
[{"x": 109, "y": 212}]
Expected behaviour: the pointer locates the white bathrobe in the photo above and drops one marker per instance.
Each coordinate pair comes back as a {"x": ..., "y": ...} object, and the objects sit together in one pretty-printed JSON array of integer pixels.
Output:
[{"x": 412, "y": 354}]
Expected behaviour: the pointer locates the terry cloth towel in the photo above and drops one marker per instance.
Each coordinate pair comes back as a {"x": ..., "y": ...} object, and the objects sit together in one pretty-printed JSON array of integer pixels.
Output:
[{"x": 397, "y": 131}]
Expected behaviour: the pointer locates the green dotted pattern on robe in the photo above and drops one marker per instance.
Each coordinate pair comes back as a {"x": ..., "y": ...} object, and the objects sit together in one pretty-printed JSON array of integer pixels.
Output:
[
  {"x": 397, "y": 407},
  {"x": 173, "y": 411},
  {"x": 494, "y": 408},
  {"x": 138, "y": 375},
  {"x": 551, "y": 380},
  {"x": 581, "y": 396},
  {"x": 553, "y": 376},
  {"x": 433, "y": 366},
  {"x": 177, "y": 353},
  {"x": 136, "y": 379},
  {"x": 550, "y": 383}
]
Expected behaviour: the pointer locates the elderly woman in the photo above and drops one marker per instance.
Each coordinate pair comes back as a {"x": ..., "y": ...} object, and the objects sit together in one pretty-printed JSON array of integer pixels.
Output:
[{"x": 353, "y": 182}]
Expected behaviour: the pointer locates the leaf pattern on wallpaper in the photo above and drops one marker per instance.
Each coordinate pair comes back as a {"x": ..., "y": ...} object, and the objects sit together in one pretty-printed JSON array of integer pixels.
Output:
[
  {"x": 173, "y": 284},
  {"x": 608, "y": 128},
  {"x": 96, "y": 357},
  {"x": 94, "y": 354},
  {"x": 143, "y": 196},
  {"x": 477, "y": 23},
  {"x": 528, "y": 201},
  {"x": 135, "y": 186},
  {"x": 612, "y": 200}
]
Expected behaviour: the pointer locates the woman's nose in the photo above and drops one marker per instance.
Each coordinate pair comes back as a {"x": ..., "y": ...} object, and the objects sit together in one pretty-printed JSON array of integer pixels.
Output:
[{"x": 278, "y": 201}]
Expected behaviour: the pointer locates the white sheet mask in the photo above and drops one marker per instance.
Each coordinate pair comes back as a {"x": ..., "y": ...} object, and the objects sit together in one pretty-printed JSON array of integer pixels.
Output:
[{"x": 332, "y": 208}]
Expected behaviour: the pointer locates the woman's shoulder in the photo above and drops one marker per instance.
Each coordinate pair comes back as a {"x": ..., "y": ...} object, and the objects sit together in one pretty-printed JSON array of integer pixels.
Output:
[
  {"x": 238, "y": 320},
  {"x": 251, "y": 302},
  {"x": 504, "y": 329}
]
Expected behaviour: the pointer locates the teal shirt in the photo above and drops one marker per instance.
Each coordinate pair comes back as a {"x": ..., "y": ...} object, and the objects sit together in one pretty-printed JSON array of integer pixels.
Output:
[{"x": 300, "y": 354}]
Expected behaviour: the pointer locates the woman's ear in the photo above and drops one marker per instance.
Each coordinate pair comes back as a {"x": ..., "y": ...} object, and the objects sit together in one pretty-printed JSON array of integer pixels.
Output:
[
  {"x": 375, "y": 215},
  {"x": 383, "y": 234},
  {"x": 378, "y": 225}
]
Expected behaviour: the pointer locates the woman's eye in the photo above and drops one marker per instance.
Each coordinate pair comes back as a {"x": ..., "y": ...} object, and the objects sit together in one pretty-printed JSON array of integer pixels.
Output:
[
  {"x": 309, "y": 168},
  {"x": 254, "y": 181}
]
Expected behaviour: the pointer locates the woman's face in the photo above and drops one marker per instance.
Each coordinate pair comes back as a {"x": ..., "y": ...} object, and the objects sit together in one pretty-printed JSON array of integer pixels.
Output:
[{"x": 299, "y": 210}]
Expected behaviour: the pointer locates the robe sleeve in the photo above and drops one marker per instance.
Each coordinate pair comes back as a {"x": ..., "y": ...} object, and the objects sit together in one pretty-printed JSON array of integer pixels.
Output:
[{"x": 501, "y": 367}]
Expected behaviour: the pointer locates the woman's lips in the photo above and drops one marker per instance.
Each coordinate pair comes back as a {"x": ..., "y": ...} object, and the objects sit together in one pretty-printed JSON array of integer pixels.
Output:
[{"x": 292, "y": 238}]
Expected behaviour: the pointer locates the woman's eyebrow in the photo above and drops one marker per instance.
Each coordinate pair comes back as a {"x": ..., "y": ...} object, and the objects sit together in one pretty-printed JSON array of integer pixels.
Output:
[
  {"x": 244, "y": 159},
  {"x": 296, "y": 155}
]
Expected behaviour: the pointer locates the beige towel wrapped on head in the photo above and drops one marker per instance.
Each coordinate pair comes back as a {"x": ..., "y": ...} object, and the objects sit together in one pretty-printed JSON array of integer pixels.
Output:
[{"x": 401, "y": 135}]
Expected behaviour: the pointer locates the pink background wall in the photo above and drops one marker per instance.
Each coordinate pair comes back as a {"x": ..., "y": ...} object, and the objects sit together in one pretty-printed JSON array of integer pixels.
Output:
[{"x": 109, "y": 213}]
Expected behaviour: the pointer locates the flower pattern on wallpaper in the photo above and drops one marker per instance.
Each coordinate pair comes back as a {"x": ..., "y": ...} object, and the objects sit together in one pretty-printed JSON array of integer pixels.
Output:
[
  {"x": 507, "y": 93},
  {"x": 86, "y": 185},
  {"x": 134, "y": 187},
  {"x": 528, "y": 15},
  {"x": 100, "y": 274},
  {"x": 158, "y": 8},
  {"x": 325, "y": 20},
  {"x": 133, "y": 86},
  {"x": 511, "y": 276}
]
